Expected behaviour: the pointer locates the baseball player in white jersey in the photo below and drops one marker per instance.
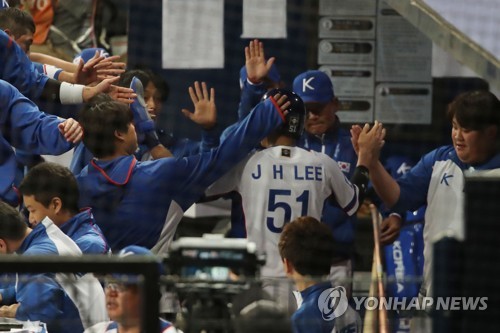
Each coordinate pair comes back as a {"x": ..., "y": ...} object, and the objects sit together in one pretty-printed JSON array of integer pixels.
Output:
[{"x": 283, "y": 182}]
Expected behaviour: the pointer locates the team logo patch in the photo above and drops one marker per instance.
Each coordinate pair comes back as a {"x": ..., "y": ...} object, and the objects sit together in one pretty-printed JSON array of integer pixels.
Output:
[
  {"x": 344, "y": 166},
  {"x": 293, "y": 124},
  {"x": 286, "y": 152}
]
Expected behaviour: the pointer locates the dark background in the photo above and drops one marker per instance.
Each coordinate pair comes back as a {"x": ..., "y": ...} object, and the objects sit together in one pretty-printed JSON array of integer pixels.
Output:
[
  {"x": 145, "y": 44},
  {"x": 294, "y": 55}
]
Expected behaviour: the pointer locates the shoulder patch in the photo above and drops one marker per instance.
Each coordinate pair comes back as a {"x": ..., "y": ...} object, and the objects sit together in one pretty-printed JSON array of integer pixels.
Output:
[{"x": 344, "y": 166}]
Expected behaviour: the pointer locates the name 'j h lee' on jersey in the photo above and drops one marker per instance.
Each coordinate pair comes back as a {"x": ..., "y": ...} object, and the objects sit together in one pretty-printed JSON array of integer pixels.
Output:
[{"x": 300, "y": 172}]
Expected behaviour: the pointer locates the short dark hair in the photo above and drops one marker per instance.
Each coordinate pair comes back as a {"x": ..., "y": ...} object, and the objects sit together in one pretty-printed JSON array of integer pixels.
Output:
[
  {"x": 146, "y": 75},
  {"x": 12, "y": 224},
  {"x": 308, "y": 244},
  {"x": 126, "y": 78},
  {"x": 475, "y": 110},
  {"x": 48, "y": 180},
  {"x": 100, "y": 118},
  {"x": 17, "y": 21}
]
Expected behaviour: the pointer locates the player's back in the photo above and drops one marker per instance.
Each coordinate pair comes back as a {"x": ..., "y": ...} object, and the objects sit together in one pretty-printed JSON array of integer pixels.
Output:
[{"x": 279, "y": 184}]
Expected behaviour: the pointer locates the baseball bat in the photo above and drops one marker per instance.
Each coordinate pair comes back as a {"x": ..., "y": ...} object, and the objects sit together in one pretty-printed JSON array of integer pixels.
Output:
[
  {"x": 383, "y": 323},
  {"x": 370, "y": 319}
]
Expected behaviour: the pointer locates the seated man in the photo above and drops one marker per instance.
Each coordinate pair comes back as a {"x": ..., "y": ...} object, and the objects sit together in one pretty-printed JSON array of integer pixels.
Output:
[
  {"x": 124, "y": 301},
  {"x": 306, "y": 248},
  {"x": 65, "y": 302},
  {"x": 50, "y": 190}
]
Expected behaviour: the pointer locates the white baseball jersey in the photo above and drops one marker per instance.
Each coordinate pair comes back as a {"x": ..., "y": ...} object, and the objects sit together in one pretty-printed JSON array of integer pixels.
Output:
[{"x": 279, "y": 184}]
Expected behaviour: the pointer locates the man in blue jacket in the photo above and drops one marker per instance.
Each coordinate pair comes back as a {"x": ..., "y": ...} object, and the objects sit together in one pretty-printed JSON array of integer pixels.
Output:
[
  {"x": 142, "y": 203},
  {"x": 177, "y": 147},
  {"x": 50, "y": 190},
  {"x": 438, "y": 178},
  {"x": 324, "y": 134},
  {"x": 65, "y": 302}
]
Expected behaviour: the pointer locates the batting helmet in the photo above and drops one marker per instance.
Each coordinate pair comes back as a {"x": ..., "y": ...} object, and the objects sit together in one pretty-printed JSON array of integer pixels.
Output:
[{"x": 294, "y": 120}]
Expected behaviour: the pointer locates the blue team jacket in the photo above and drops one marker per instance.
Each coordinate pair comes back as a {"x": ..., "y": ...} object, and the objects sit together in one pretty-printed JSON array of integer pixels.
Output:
[
  {"x": 23, "y": 126},
  {"x": 438, "y": 181},
  {"x": 40, "y": 296},
  {"x": 336, "y": 143},
  {"x": 178, "y": 147},
  {"x": 318, "y": 311},
  {"x": 141, "y": 203},
  {"x": 18, "y": 70},
  {"x": 83, "y": 230},
  {"x": 251, "y": 95}
]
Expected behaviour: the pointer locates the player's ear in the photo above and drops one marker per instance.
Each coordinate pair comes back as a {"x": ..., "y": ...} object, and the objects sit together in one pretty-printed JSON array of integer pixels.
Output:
[
  {"x": 119, "y": 135},
  {"x": 3, "y": 247},
  {"x": 56, "y": 204},
  {"x": 288, "y": 266},
  {"x": 8, "y": 32}
]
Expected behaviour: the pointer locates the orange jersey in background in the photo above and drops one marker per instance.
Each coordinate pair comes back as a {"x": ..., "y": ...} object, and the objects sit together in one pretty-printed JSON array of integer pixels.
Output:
[{"x": 43, "y": 15}]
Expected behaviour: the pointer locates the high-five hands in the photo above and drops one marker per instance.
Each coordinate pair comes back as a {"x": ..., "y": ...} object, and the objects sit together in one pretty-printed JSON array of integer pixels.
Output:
[
  {"x": 367, "y": 142},
  {"x": 205, "y": 111},
  {"x": 255, "y": 62}
]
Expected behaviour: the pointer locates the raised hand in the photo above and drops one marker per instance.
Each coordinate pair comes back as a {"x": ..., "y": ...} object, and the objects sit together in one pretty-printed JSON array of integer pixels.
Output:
[
  {"x": 369, "y": 142},
  {"x": 255, "y": 62},
  {"x": 120, "y": 94},
  {"x": 355, "y": 132},
  {"x": 98, "y": 68},
  {"x": 108, "y": 67},
  {"x": 205, "y": 111}
]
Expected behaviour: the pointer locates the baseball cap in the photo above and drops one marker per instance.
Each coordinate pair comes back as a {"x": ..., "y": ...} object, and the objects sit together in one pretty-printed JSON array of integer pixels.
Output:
[
  {"x": 273, "y": 74},
  {"x": 88, "y": 53},
  {"x": 314, "y": 86},
  {"x": 135, "y": 250}
]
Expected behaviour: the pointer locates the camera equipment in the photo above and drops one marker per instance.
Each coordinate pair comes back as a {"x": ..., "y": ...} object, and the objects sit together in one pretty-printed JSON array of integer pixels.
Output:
[{"x": 208, "y": 273}]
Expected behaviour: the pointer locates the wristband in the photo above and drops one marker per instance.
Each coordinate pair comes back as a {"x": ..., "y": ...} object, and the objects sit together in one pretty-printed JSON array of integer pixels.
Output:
[
  {"x": 51, "y": 71},
  {"x": 71, "y": 93},
  {"x": 254, "y": 83}
]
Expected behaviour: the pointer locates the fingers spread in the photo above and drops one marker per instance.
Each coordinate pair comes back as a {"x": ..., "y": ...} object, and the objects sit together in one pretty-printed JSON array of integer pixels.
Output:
[
  {"x": 212, "y": 95},
  {"x": 205, "y": 91},
  {"x": 197, "y": 89},
  {"x": 187, "y": 113},
  {"x": 193, "y": 95}
]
